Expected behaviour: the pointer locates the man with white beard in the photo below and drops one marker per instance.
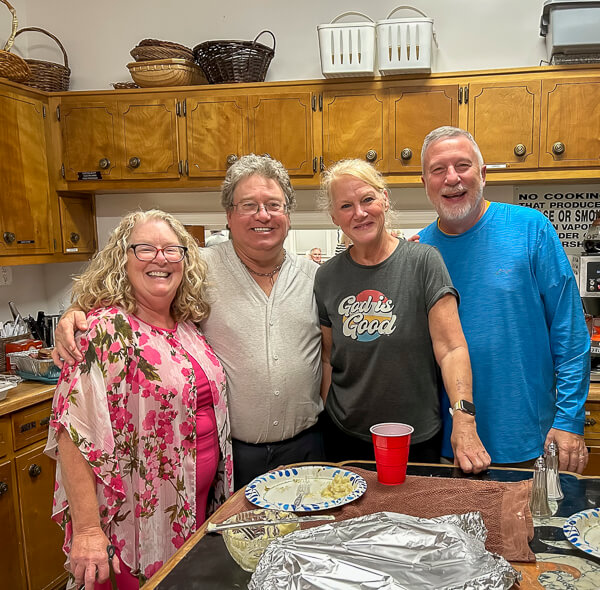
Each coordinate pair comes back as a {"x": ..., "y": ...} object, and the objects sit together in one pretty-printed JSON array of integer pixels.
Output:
[{"x": 519, "y": 308}]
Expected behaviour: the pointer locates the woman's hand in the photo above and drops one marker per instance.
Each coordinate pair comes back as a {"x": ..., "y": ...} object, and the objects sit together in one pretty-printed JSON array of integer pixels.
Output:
[
  {"x": 89, "y": 558},
  {"x": 65, "y": 349}
]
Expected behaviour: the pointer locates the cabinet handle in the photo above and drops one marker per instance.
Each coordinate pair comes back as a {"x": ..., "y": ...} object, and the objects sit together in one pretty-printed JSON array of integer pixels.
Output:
[
  {"x": 406, "y": 154},
  {"x": 74, "y": 238},
  {"x": 231, "y": 158},
  {"x": 590, "y": 422},
  {"x": 3, "y": 488},
  {"x": 9, "y": 237},
  {"x": 134, "y": 162},
  {"x": 46, "y": 420},
  {"x": 104, "y": 163},
  {"x": 558, "y": 148},
  {"x": 34, "y": 470},
  {"x": 520, "y": 150},
  {"x": 371, "y": 156}
]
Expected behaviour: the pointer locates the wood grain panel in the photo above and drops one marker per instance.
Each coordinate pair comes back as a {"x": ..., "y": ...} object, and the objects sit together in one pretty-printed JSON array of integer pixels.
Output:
[
  {"x": 77, "y": 221},
  {"x": 503, "y": 115}
]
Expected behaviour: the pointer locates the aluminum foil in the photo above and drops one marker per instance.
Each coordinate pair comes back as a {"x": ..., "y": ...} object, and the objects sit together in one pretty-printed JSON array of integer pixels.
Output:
[{"x": 385, "y": 551}]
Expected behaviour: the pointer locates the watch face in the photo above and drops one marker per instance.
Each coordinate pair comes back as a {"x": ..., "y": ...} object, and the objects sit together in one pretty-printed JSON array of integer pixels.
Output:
[{"x": 468, "y": 407}]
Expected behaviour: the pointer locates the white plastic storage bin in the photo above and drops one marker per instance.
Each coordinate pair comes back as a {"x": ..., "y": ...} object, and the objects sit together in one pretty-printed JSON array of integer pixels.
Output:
[
  {"x": 347, "y": 49},
  {"x": 405, "y": 44},
  {"x": 571, "y": 26}
]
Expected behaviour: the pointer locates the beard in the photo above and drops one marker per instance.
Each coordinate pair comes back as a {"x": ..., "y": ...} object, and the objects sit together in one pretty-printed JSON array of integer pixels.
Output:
[{"x": 450, "y": 212}]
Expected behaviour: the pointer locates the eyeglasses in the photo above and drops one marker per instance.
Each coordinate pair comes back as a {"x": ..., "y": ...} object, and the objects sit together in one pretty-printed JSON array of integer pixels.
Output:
[
  {"x": 252, "y": 208},
  {"x": 147, "y": 252}
]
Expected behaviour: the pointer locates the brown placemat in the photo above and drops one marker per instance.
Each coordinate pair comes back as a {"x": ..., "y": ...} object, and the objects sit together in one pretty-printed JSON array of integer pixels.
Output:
[{"x": 503, "y": 506}]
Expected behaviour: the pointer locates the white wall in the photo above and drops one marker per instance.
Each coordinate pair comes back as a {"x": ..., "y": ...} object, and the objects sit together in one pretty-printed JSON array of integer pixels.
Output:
[{"x": 472, "y": 34}]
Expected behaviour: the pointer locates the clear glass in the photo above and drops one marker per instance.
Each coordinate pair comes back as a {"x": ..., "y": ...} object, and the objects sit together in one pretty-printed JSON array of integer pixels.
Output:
[
  {"x": 147, "y": 252},
  {"x": 252, "y": 208}
]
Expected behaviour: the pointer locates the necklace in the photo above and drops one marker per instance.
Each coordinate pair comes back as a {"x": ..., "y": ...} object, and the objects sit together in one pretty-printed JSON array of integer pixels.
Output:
[{"x": 269, "y": 275}]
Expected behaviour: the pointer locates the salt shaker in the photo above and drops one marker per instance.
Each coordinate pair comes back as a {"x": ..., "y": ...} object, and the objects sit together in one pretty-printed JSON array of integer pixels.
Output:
[
  {"x": 539, "y": 499},
  {"x": 552, "y": 477}
]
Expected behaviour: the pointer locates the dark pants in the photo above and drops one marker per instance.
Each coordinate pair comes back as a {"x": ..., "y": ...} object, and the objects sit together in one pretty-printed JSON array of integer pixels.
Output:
[
  {"x": 340, "y": 446},
  {"x": 252, "y": 460}
]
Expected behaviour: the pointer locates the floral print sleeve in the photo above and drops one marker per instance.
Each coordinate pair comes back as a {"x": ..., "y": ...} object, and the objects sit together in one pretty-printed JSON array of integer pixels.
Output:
[{"x": 129, "y": 407}]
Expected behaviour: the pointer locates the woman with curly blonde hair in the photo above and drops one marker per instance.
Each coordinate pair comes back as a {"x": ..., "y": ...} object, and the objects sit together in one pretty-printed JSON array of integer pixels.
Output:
[{"x": 139, "y": 426}]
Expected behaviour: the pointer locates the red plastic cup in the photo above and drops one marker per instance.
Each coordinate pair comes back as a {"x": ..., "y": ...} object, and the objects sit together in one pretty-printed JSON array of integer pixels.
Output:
[{"x": 391, "y": 441}]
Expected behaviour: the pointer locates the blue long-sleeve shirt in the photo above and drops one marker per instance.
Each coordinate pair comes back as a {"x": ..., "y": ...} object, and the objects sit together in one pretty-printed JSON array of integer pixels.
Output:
[{"x": 523, "y": 320}]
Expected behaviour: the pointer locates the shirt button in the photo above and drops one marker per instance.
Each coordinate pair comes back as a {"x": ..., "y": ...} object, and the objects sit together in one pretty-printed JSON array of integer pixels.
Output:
[
  {"x": 276, "y": 357},
  {"x": 277, "y": 393},
  {"x": 275, "y": 422},
  {"x": 271, "y": 323}
]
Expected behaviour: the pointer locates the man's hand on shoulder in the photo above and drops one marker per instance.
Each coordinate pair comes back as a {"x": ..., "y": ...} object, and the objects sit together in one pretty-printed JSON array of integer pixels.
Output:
[
  {"x": 65, "y": 349},
  {"x": 572, "y": 452}
]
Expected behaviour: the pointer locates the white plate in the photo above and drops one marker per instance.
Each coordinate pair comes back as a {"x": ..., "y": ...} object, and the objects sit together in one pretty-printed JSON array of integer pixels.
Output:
[
  {"x": 583, "y": 531},
  {"x": 279, "y": 489}
]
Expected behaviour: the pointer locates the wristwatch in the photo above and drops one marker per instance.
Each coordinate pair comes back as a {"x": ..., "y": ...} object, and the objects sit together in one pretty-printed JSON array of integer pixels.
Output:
[{"x": 464, "y": 406}]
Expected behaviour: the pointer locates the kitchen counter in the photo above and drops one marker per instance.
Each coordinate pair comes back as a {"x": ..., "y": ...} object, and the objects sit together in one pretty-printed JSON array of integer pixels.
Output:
[{"x": 26, "y": 394}]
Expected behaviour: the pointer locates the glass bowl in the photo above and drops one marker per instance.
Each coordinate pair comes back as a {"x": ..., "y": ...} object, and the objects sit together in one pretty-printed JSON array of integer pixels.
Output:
[{"x": 246, "y": 546}]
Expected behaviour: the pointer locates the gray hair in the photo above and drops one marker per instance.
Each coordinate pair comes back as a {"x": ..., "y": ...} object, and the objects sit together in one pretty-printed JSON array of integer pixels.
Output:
[
  {"x": 444, "y": 133},
  {"x": 263, "y": 166}
]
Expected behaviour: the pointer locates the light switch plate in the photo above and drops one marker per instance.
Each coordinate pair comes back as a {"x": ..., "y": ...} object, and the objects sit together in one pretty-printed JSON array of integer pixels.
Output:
[{"x": 5, "y": 276}]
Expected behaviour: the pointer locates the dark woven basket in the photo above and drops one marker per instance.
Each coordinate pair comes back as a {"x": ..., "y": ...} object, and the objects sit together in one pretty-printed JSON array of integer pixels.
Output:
[
  {"x": 234, "y": 61},
  {"x": 47, "y": 75}
]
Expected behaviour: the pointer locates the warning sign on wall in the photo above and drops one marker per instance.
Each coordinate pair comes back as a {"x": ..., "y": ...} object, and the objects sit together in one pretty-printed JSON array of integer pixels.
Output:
[{"x": 570, "y": 209}]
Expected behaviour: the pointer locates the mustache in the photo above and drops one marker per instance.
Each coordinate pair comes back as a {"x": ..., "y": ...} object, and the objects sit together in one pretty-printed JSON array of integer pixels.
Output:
[{"x": 454, "y": 190}]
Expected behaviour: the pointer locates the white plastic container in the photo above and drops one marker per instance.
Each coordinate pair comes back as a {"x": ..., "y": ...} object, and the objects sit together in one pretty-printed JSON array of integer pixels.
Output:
[
  {"x": 571, "y": 26},
  {"x": 347, "y": 49},
  {"x": 405, "y": 44}
]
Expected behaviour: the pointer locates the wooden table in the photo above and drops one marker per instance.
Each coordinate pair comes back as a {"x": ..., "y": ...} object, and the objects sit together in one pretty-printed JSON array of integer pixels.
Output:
[{"x": 203, "y": 562}]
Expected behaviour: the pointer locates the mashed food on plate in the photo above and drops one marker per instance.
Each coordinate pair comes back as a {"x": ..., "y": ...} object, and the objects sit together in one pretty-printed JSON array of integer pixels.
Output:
[{"x": 338, "y": 487}]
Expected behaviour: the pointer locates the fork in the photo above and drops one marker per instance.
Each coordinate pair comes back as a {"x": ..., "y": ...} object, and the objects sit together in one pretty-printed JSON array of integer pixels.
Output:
[{"x": 303, "y": 489}]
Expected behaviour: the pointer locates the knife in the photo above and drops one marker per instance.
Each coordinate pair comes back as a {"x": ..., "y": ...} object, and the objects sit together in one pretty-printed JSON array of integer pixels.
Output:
[
  {"x": 213, "y": 528},
  {"x": 13, "y": 309}
]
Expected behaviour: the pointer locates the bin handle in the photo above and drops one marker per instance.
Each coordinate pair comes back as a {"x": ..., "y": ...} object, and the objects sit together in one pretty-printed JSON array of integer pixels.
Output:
[
  {"x": 408, "y": 8},
  {"x": 348, "y": 13}
]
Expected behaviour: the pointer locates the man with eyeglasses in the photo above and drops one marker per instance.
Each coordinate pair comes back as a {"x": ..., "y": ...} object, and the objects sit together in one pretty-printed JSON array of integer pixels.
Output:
[{"x": 263, "y": 324}]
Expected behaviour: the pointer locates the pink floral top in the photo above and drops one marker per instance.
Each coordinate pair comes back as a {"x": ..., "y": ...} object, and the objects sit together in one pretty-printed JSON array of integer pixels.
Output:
[{"x": 129, "y": 406}]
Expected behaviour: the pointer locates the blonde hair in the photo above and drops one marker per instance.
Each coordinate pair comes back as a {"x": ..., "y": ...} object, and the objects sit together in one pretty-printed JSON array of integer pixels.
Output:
[
  {"x": 355, "y": 167},
  {"x": 105, "y": 281}
]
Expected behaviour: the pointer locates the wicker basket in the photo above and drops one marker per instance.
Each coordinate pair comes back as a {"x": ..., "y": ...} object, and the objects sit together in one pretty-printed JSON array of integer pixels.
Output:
[
  {"x": 150, "y": 49},
  {"x": 234, "y": 61},
  {"x": 12, "y": 66},
  {"x": 47, "y": 75},
  {"x": 166, "y": 72}
]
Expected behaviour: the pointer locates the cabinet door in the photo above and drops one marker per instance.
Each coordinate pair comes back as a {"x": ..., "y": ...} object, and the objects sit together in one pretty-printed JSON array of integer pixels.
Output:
[
  {"x": 10, "y": 548},
  {"x": 504, "y": 120},
  {"x": 42, "y": 537},
  {"x": 353, "y": 124},
  {"x": 414, "y": 112},
  {"x": 77, "y": 222},
  {"x": 25, "y": 225},
  {"x": 281, "y": 126},
  {"x": 90, "y": 142},
  {"x": 150, "y": 138},
  {"x": 217, "y": 134},
  {"x": 570, "y": 123}
]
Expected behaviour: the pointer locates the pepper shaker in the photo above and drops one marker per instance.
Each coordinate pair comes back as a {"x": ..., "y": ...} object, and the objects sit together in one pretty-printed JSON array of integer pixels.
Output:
[
  {"x": 552, "y": 477},
  {"x": 539, "y": 498}
]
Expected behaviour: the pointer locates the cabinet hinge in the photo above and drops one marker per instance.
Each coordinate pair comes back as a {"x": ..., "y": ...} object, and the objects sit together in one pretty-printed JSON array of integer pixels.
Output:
[
  {"x": 44, "y": 111},
  {"x": 180, "y": 166},
  {"x": 314, "y": 102},
  {"x": 320, "y": 102},
  {"x": 55, "y": 244},
  {"x": 178, "y": 109},
  {"x": 187, "y": 168},
  {"x": 460, "y": 95},
  {"x": 315, "y": 163},
  {"x": 466, "y": 94},
  {"x": 185, "y": 107},
  {"x": 321, "y": 163},
  {"x": 62, "y": 170},
  {"x": 58, "y": 113}
]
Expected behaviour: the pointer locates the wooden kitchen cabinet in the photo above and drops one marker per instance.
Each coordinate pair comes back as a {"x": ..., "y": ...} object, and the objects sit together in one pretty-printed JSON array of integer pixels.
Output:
[
  {"x": 119, "y": 139},
  {"x": 78, "y": 223},
  {"x": 31, "y": 554},
  {"x": 591, "y": 431},
  {"x": 25, "y": 226},
  {"x": 353, "y": 126},
  {"x": 414, "y": 112},
  {"x": 221, "y": 128},
  {"x": 504, "y": 119},
  {"x": 570, "y": 135}
]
